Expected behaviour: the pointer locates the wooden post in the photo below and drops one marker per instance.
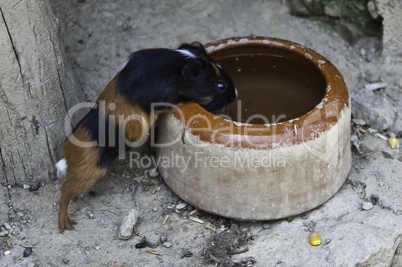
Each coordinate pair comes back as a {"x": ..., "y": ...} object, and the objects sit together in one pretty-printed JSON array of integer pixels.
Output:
[{"x": 36, "y": 91}]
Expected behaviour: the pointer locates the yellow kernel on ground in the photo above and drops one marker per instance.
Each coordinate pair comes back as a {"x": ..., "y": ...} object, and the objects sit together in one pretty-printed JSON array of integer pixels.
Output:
[
  {"x": 393, "y": 142},
  {"x": 315, "y": 239}
]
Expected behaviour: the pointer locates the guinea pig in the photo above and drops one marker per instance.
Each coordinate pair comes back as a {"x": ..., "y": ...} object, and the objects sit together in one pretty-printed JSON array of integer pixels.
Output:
[{"x": 149, "y": 76}]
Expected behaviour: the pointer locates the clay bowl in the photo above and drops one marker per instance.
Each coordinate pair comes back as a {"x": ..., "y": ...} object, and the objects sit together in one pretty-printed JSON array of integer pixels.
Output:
[{"x": 287, "y": 149}]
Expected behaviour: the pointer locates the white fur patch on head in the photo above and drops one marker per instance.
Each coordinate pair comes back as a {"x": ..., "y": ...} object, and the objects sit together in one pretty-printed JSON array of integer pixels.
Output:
[
  {"x": 61, "y": 167},
  {"x": 186, "y": 53}
]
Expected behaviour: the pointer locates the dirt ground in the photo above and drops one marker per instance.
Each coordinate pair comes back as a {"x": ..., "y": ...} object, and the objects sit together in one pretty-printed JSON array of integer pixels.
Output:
[{"x": 98, "y": 36}]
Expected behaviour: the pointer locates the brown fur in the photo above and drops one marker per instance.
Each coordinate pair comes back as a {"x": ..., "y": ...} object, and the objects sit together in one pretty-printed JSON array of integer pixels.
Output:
[{"x": 82, "y": 170}]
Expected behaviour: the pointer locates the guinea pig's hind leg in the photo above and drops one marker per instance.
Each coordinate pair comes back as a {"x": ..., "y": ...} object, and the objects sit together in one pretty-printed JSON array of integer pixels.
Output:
[
  {"x": 74, "y": 184},
  {"x": 65, "y": 223}
]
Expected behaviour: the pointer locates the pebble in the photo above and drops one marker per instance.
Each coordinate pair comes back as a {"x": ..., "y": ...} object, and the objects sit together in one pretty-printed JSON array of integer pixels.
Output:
[
  {"x": 315, "y": 239},
  {"x": 3, "y": 233},
  {"x": 7, "y": 253},
  {"x": 265, "y": 226},
  {"x": 359, "y": 122},
  {"x": 167, "y": 244},
  {"x": 141, "y": 245},
  {"x": 97, "y": 248},
  {"x": 248, "y": 260},
  {"x": 181, "y": 206},
  {"x": 153, "y": 173},
  {"x": 332, "y": 10},
  {"x": 374, "y": 109},
  {"x": 367, "y": 205},
  {"x": 90, "y": 215},
  {"x": 369, "y": 57},
  {"x": 163, "y": 238},
  {"x": 123, "y": 26},
  {"x": 127, "y": 225},
  {"x": 27, "y": 252},
  {"x": 186, "y": 253},
  {"x": 152, "y": 243},
  {"x": 372, "y": 9},
  {"x": 190, "y": 208},
  {"x": 8, "y": 227},
  {"x": 393, "y": 142}
]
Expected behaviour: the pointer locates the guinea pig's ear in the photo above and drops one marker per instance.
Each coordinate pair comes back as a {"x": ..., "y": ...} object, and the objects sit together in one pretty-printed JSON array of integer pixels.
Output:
[
  {"x": 191, "y": 70},
  {"x": 198, "y": 45}
]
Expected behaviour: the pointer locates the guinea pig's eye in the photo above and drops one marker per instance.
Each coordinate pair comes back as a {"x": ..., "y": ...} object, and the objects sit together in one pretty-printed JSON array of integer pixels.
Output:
[{"x": 221, "y": 87}]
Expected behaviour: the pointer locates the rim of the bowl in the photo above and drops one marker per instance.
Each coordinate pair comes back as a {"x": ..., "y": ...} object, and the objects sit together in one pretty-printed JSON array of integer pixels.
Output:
[{"x": 294, "y": 131}]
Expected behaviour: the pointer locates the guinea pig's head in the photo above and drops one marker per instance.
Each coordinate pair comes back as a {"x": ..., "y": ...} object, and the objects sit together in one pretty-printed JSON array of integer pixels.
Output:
[{"x": 206, "y": 82}]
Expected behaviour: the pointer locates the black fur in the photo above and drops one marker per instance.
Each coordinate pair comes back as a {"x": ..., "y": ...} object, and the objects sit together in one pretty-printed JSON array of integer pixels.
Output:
[
  {"x": 98, "y": 128},
  {"x": 164, "y": 75}
]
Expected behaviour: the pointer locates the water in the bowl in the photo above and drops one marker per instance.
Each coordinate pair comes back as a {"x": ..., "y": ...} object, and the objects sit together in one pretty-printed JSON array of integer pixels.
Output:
[{"x": 272, "y": 88}]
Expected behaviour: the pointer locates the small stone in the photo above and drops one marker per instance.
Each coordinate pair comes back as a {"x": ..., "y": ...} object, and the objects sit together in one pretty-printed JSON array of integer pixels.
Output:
[
  {"x": 163, "y": 238},
  {"x": 332, "y": 10},
  {"x": 27, "y": 252},
  {"x": 167, "y": 244},
  {"x": 3, "y": 233},
  {"x": 141, "y": 245},
  {"x": 90, "y": 215},
  {"x": 8, "y": 227},
  {"x": 298, "y": 8},
  {"x": 315, "y": 239},
  {"x": 152, "y": 243},
  {"x": 155, "y": 209},
  {"x": 97, "y": 248},
  {"x": 124, "y": 26},
  {"x": 153, "y": 173},
  {"x": 127, "y": 225},
  {"x": 372, "y": 9},
  {"x": 359, "y": 122},
  {"x": 65, "y": 261},
  {"x": 7, "y": 253},
  {"x": 367, "y": 205},
  {"x": 374, "y": 109},
  {"x": 248, "y": 260},
  {"x": 190, "y": 208},
  {"x": 265, "y": 226},
  {"x": 25, "y": 186},
  {"x": 181, "y": 206},
  {"x": 30, "y": 264},
  {"x": 34, "y": 187},
  {"x": 369, "y": 57},
  {"x": 393, "y": 142},
  {"x": 186, "y": 253}
]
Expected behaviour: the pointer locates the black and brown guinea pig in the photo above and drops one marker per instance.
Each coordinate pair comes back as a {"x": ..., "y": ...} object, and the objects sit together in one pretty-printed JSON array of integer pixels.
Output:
[{"x": 150, "y": 76}]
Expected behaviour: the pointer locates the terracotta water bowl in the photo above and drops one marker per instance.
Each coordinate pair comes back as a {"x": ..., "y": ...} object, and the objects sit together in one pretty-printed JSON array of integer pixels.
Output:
[{"x": 282, "y": 149}]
